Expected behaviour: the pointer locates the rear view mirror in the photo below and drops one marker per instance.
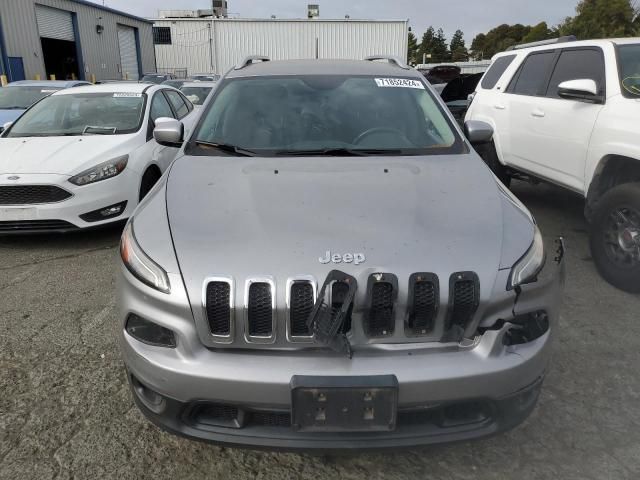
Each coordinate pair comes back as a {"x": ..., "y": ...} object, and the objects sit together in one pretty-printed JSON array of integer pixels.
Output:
[
  {"x": 169, "y": 132},
  {"x": 478, "y": 132},
  {"x": 580, "y": 90}
]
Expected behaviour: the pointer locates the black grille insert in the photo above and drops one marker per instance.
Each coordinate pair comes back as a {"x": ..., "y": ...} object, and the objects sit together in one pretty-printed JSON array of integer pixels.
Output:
[
  {"x": 260, "y": 310},
  {"x": 382, "y": 290},
  {"x": 300, "y": 307},
  {"x": 36, "y": 226},
  {"x": 339, "y": 291},
  {"x": 464, "y": 298},
  {"x": 424, "y": 302},
  {"x": 31, "y": 194},
  {"x": 219, "y": 308}
]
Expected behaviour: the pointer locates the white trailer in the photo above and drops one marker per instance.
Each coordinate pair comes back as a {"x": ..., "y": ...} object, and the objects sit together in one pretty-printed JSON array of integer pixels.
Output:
[{"x": 215, "y": 45}]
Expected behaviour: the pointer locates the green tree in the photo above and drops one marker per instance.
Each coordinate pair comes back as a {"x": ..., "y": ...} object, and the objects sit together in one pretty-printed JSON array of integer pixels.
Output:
[
  {"x": 601, "y": 19},
  {"x": 426, "y": 45},
  {"x": 477, "y": 46},
  {"x": 538, "y": 33},
  {"x": 440, "y": 49},
  {"x": 412, "y": 53},
  {"x": 499, "y": 39},
  {"x": 458, "y": 48}
]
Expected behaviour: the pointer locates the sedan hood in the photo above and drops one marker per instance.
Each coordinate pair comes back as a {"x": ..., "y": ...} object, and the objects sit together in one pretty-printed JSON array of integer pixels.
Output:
[
  {"x": 59, "y": 155},
  {"x": 249, "y": 217}
]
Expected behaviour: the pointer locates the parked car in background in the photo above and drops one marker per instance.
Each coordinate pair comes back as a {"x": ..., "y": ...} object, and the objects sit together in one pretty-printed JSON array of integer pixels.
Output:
[
  {"x": 442, "y": 74},
  {"x": 16, "y": 97},
  {"x": 329, "y": 265},
  {"x": 85, "y": 157},
  {"x": 176, "y": 83},
  {"x": 458, "y": 92},
  {"x": 568, "y": 112},
  {"x": 157, "y": 78},
  {"x": 197, "y": 92},
  {"x": 205, "y": 77}
]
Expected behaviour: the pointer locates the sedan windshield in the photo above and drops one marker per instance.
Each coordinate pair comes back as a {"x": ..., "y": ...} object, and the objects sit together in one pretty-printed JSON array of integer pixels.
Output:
[
  {"x": 196, "y": 95},
  {"x": 331, "y": 115},
  {"x": 82, "y": 114},
  {"x": 629, "y": 59},
  {"x": 21, "y": 98}
]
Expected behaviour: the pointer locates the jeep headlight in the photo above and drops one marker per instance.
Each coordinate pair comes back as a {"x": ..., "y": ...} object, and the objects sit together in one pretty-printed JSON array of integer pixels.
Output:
[
  {"x": 526, "y": 270},
  {"x": 140, "y": 265},
  {"x": 105, "y": 170}
]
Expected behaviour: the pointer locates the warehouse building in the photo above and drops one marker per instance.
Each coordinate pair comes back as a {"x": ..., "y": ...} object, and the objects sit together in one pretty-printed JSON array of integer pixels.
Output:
[
  {"x": 72, "y": 39},
  {"x": 198, "y": 44}
]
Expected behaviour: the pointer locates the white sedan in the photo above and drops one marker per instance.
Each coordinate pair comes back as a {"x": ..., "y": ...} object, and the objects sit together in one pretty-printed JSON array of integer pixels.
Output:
[{"x": 86, "y": 156}]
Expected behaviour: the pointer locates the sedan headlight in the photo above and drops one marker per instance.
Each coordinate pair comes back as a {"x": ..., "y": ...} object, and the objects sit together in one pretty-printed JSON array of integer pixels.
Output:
[
  {"x": 140, "y": 265},
  {"x": 529, "y": 266},
  {"x": 105, "y": 170}
]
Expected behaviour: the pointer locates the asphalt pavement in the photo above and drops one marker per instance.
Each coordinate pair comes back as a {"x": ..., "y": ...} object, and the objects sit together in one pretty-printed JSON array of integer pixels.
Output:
[{"x": 66, "y": 411}]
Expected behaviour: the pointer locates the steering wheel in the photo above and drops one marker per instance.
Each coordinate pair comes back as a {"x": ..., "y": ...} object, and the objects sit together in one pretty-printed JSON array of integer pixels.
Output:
[{"x": 377, "y": 130}]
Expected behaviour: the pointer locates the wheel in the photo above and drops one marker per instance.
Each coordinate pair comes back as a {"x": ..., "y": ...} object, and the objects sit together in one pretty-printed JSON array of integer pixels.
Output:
[
  {"x": 149, "y": 179},
  {"x": 490, "y": 156},
  {"x": 615, "y": 237}
]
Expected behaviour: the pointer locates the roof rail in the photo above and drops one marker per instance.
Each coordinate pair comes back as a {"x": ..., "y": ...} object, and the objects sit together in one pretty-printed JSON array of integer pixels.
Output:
[
  {"x": 553, "y": 41},
  {"x": 251, "y": 59},
  {"x": 391, "y": 59}
]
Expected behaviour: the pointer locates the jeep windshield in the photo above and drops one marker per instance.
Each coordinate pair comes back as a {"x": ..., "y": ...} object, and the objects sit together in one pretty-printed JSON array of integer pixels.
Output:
[
  {"x": 324, "y": 115},
  {"x": 82, "y": 114},
  {"x": 629, "y": 61},
  {"x": 21, "y": 98}
]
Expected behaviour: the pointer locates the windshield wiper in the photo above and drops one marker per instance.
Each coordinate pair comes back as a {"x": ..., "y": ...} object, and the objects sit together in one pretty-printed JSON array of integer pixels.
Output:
[
  {"x": 14, "y": 107},
  {"x": 339, "y": 152},
  {"x": 92, "y": 130},
  {"x": 223, "y": 147}
]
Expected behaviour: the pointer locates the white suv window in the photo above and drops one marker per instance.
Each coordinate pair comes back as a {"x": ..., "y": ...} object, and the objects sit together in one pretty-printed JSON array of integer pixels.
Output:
[
  {"x": 533, "y": 75},
  {"x": 496, "y": 71},
  {"x": 578, "y": 65}
]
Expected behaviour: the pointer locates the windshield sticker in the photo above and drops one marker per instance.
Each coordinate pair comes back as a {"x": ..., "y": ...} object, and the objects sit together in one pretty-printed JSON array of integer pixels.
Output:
[
  {"x": 127, "y": 95},
  {"x": 399, "y": 83}
]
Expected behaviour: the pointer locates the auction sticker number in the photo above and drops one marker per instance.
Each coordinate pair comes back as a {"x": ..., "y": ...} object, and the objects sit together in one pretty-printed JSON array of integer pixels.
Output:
[{"x": 399, "y": 83}]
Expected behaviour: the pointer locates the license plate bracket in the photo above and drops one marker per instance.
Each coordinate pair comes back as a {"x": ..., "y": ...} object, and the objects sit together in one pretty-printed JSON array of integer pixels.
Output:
[{"x": 344, "y": 404}]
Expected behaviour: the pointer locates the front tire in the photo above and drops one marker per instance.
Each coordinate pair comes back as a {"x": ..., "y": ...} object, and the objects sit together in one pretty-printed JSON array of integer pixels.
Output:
[
  {"x": 489, "y": 154},
  {"x": 615, "y": 237},
  {"x": 149, "y": 179}
]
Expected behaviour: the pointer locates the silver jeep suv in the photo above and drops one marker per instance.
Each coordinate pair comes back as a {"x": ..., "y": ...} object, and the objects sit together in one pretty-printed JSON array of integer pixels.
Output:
[{"x": 329, "y": 265}]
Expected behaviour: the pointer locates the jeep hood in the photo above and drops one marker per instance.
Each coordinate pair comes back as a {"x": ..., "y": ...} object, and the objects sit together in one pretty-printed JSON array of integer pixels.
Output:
[
  {"x": 256, "y": 217},
  {"x": 59, "y": 155}
]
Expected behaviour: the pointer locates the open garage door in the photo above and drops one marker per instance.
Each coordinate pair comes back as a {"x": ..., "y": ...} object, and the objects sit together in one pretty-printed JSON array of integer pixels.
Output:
[
  {"x": 128, "y": 53},
  {"x": 58, "y": 39}
]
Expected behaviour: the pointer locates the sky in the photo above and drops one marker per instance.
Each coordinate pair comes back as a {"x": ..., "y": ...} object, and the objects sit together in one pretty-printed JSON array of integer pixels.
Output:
[{"x": 471, "y": 16}]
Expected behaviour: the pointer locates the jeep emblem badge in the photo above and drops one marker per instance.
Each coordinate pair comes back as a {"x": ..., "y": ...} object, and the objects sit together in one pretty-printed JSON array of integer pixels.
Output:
[{"x": 355, "y": 258}]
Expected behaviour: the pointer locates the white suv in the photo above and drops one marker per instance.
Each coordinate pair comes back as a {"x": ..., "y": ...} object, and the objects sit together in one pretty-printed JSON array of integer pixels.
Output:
[{"x": 568, "y": 112}]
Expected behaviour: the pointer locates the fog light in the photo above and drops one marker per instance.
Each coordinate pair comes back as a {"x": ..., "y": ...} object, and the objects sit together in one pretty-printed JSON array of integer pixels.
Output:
[
  {"x": 105, "y": 213},
  {"x": 152, "y": 400},
  {"x": 149, "y": 332}
]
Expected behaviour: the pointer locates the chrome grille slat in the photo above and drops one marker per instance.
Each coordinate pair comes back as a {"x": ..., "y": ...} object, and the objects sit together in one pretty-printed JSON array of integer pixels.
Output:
[
  {"x": 260, "y": 310},
  {"x": 218, "y": 301},
  {"x": 302, "y": 292}
]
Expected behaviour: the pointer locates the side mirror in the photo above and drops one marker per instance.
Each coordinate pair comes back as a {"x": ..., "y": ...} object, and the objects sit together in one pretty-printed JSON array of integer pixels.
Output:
[
  {"x": 580, "y": 90},
  {"x": 169, "y": 132},
  {"x": 478, "y": 132},
  {"x": 6, "y": 126}
]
